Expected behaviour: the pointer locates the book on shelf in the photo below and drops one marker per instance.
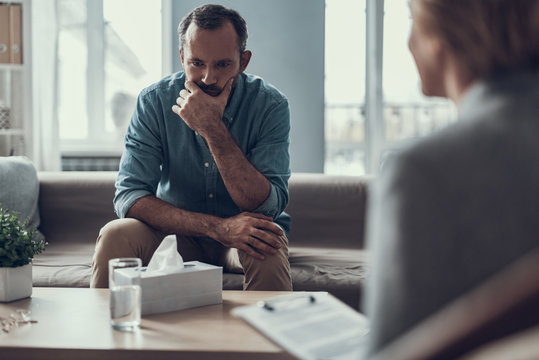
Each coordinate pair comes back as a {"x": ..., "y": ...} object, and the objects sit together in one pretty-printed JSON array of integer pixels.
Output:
[{"x": 10, "y": 33}]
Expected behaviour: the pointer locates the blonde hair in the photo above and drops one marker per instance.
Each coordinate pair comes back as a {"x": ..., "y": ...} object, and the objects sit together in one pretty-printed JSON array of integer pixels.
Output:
[{"x": 487, "y": 37}]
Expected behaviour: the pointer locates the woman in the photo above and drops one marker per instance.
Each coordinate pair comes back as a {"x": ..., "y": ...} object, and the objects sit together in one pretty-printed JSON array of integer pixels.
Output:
[{"x": 460, "y": 205}]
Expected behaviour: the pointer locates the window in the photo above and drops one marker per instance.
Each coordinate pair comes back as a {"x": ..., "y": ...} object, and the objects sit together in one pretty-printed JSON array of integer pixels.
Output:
[
  {"x": 104, "y": 59},
  {"x": 345, "y": 87},
  {"x": 356, "y": 143}
]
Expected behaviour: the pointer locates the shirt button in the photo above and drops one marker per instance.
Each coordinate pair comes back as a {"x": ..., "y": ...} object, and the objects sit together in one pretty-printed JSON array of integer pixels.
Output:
[
  {"x": 211, "y": 196},
  {"x": 206, "y": 164}
]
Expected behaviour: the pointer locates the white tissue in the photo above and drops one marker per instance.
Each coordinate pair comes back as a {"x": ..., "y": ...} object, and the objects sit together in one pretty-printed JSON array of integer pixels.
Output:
[{"x": 166, "y": 258}]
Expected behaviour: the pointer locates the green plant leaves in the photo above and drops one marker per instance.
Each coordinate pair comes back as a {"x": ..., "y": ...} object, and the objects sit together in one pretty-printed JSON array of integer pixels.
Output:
[{"x": 17, "y": 244}]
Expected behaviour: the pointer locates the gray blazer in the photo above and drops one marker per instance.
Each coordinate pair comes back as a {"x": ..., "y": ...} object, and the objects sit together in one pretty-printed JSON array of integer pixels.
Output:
[{"x": 454, "y": 208}]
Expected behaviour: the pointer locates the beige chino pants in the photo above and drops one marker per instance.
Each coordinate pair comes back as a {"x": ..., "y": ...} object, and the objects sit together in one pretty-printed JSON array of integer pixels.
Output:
[{"x": 133, "y": 238}]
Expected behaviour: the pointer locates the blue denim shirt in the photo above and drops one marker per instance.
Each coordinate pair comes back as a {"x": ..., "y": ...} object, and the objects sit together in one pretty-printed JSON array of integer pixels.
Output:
[{"x": 165, "y": 158}]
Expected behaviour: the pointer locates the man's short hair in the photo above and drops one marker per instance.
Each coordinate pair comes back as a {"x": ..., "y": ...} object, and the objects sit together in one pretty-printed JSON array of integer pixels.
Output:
[{"x": 212, "y": 17}]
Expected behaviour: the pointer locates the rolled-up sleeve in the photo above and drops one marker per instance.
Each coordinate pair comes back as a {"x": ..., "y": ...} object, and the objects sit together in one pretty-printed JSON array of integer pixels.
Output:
[
  {"x": 141, "y": 160},
  {"x": 272, "y": 158}
]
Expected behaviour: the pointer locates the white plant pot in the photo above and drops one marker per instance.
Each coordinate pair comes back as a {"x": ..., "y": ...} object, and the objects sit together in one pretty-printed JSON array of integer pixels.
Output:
[{"x": 15, "y": 282}]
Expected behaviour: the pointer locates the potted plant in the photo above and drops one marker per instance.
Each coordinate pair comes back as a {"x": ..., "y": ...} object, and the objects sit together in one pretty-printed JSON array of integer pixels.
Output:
[{"x": 17, "y": 249}]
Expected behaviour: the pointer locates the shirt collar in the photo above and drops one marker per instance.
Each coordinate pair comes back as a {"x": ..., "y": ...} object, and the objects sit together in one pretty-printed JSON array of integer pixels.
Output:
[{"x": 512, "y": 84}]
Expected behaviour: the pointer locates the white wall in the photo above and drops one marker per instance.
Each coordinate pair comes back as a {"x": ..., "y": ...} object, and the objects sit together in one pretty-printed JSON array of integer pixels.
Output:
[{"x": 287, "y": 41}]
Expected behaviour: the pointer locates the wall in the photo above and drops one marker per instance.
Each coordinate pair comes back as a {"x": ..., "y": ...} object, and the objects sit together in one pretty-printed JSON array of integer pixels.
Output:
[{"x": 287, "y": 41}]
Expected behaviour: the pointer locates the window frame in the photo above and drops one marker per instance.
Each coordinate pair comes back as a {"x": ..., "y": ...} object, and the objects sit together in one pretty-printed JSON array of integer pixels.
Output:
[{"x": 374, "y": 99}]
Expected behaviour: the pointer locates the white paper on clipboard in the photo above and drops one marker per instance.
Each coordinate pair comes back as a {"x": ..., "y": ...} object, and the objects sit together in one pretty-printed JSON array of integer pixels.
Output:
[{"x": 310, "y": 326}]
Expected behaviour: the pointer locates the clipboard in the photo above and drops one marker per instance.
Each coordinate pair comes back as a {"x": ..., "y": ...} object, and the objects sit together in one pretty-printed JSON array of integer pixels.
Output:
[{"x": 310, "y": 325}]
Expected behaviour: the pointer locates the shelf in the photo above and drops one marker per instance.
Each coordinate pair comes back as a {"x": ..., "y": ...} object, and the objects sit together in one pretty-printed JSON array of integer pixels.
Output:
[
  {"x": 16, "y": 90},
  {"x": 11, "y": 132},
  {"x": 13, "y": 67}
]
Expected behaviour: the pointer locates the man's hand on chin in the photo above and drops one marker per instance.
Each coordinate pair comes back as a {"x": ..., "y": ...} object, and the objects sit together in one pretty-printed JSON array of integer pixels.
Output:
[{"x": 200, "y": 111}]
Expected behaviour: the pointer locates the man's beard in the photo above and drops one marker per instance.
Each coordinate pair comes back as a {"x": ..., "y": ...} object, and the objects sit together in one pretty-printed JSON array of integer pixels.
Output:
[{"x": 214, "y": 90}]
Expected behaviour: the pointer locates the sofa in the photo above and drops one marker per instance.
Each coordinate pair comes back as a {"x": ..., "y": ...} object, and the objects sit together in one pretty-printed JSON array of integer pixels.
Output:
[{"x": 326, "y": 238}]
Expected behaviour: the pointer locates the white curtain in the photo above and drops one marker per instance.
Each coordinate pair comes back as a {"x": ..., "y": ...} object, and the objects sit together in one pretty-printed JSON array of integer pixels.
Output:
[{"x": 45, "y": 148}]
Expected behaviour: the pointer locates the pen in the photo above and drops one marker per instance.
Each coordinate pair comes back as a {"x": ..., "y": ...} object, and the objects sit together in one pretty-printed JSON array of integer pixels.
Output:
[{"x": 286, "y": 303}]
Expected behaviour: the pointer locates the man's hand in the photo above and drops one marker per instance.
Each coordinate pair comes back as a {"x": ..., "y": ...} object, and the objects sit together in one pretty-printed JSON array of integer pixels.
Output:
[
  {"x": 200, "y": 111},
  {"x": 252, "y": 233}
]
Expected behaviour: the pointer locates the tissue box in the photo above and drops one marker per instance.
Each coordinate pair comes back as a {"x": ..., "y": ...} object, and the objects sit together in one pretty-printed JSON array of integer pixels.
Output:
[{"x": 197, "y": 284}]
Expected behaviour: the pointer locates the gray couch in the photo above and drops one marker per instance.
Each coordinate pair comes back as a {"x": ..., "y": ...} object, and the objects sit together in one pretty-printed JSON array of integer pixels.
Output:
[{"x": 326, "y": 239}]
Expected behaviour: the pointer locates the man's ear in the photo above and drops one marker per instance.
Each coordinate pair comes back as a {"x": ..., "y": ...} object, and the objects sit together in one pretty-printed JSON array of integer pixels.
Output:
[
  {"x": 245, "y": 58},
  {"x": 181, "y": 56}
]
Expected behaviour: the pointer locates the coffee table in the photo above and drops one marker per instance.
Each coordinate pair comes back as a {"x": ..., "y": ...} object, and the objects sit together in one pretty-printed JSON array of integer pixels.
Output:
[{"x": 73, "y": 323}]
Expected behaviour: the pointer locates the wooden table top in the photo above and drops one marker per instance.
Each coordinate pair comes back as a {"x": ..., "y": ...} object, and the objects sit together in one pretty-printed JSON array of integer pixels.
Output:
[{"x": 74, "y": 323}]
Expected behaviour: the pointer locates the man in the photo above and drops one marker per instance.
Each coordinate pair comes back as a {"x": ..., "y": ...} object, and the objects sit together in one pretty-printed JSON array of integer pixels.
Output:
[{"x": 206, "y": 158}]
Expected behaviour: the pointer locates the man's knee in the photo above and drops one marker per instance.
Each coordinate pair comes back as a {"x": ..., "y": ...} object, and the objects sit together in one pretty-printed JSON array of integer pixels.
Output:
[
  {"x": 122, "y": 238},
  {"x": 272, "y": 273}
]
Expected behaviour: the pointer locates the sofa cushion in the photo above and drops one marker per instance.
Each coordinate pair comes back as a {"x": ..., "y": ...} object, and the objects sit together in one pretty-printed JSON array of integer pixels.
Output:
[
  {"x": 20, "y": 190},
  {"x": 340, "y": 272},
  {"x": 63, "y": 265},
  {"x": 327, "y": 210},
  {"x": 75, "y": 205}
]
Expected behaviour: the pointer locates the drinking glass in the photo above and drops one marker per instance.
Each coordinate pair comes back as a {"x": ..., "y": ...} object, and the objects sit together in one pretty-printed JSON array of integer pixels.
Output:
[{"x": 125, "y": 293}]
